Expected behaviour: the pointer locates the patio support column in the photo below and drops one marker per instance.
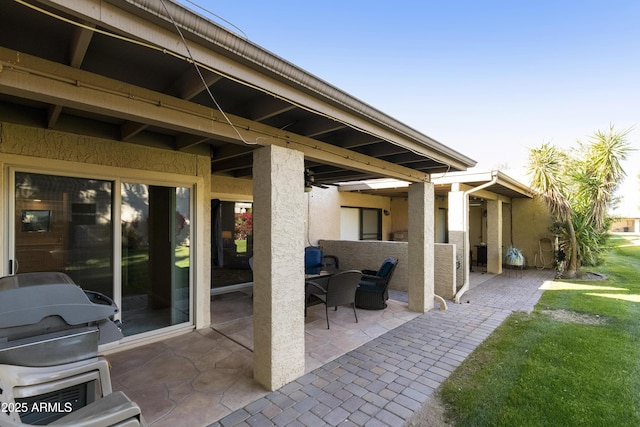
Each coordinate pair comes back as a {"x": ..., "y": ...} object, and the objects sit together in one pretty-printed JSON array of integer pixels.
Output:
[
  {"x": 278, "y": 290},
  {"x": 494, "y": 236},
  {"x": 421, "y": 247},
  {"x": 459, "y": 234}
]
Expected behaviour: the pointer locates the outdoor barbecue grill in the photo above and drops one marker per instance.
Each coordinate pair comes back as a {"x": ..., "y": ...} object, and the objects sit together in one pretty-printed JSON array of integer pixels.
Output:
[{"x": 50, "y": 329}]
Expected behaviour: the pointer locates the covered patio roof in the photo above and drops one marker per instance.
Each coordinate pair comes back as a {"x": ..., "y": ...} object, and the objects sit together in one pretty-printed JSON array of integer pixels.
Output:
[{"x": 153, "y": 72}]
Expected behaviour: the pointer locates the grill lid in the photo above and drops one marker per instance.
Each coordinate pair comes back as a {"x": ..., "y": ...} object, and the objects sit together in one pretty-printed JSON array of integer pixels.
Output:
[{"x": 32, "y": 301}]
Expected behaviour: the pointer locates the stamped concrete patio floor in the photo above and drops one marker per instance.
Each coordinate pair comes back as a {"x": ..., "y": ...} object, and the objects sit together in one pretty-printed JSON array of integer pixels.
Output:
[
  {"x": 205, "y": 375},
  {"x": 377, "y": 372}
]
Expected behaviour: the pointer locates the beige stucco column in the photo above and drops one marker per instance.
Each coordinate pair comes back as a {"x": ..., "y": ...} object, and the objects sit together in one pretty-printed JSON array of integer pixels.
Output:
[
  {"x": 202, "y": 285},
  {"x": 494, "y": 236},
  {"x": 421, "y": 246},
  {"x": 278, "y": 265},
  {"x": 459, "y": 234}
]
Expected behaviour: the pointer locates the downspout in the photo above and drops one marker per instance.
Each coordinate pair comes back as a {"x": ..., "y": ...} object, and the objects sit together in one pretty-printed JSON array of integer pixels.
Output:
[{"x": 465, "y": 252}]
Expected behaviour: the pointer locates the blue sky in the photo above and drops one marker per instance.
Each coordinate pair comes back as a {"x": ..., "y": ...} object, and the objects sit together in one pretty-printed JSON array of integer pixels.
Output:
[{"x": 489, "y": 79}]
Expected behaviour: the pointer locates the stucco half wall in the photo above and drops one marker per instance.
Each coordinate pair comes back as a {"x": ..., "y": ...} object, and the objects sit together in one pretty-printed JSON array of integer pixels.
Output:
[
  {"x": 368, "y": 255},
  {"x": 363, "y": 254},
  {"x": 445, "y": 270}
]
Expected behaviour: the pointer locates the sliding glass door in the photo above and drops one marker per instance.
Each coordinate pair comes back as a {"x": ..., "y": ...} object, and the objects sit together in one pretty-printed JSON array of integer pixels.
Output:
[
  {"x": 360, "y": 223},
  {"x": 70, "y": 225}
]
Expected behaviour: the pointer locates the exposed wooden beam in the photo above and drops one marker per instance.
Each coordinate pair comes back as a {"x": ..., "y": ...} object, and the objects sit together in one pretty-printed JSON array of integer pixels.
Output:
[
  {"x": 267, "y": 108},
  {"x": 243, "y": 173},
  {"x": 80, "y": 40},
  {"x": 187, "y": 140},
  {"x": 229, "y": 151},
  {"x": 314, "y": 128},
  {"x": 190, "y": 85},
  {"x": 53, "y": 113},
  {"x": 130, "y": 129},
  {"x": 227, "y": 165},
  {"x": 355, "y": 141},
  {"x": 38, "y": 79},
  {"x": 379, "y": 150}
]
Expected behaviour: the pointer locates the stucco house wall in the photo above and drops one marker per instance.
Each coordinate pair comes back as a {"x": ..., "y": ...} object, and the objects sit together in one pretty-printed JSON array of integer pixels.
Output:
[
  {"x": 231, "y": 189},
  {"x": 477, "y": 227},
  {"x": 399, "y": 215},
  {"x": 531, "y": 222},
  {"x": 507, "y": 214},
  {"x": 348, "y": 199},
  {"x": 322, "y": 215},
  {"x": 626, "y": 225}
]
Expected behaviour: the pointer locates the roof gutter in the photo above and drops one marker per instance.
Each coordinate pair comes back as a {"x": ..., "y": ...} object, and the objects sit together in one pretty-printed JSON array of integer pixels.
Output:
[{"x": 465, "y": 249}]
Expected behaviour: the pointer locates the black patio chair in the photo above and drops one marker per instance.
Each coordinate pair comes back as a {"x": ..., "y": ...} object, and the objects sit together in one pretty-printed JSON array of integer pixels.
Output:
[
  {"x": 373, "y": 291},
  {"x": 339, "y": 289}
]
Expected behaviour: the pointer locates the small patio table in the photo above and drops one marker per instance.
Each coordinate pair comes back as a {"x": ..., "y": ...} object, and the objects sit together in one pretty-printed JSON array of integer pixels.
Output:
[{"x": 321, "y": 278}]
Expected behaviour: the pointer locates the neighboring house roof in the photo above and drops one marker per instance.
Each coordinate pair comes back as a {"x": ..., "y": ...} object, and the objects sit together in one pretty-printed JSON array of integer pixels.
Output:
[
  {"x": 504, "y": 186},
  {"x": 124, "y": 65}
]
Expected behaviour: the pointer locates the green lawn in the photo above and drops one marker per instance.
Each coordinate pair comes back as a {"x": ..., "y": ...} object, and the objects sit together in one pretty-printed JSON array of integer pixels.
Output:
[
  {"x": 241, "y": 246},
  {"x": 575, "y": 361}
]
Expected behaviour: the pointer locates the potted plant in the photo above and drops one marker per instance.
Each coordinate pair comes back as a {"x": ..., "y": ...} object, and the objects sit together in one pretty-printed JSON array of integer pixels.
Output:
[{"x": 513, "y": 257}]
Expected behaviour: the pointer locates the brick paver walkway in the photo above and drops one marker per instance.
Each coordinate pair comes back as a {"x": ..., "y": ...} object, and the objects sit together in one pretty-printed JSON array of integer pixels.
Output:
[{"x": 383, "y": 382}]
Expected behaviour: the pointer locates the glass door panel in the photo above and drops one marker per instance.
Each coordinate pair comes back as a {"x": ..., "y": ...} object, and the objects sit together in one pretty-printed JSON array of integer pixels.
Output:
[
  {"x": 65, "y": 224},
  {"x": 349, "y": 223},
  {"x": 371, "y": 224},
  {"x": 155, "y": 223},
  {"x": 232, "y": 243}
]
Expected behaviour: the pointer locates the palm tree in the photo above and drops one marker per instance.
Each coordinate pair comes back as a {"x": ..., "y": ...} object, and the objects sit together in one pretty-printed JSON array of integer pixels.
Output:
[
  {"x": 546, "y": 168},
  {"x": 579, "y": 190},
  {"x": 602, "y": 173}
]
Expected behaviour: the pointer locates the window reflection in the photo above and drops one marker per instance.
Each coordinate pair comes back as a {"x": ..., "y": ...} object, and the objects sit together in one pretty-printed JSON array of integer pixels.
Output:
[
  {"x": 65, "y": 224},
  {"x": 155, "y": 256}
]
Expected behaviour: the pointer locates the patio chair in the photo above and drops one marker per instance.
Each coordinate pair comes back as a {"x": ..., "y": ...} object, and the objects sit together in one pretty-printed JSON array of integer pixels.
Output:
[
  {"x": 315, "y": 260},
  {"x": 373, "y": 291},
  {"x": 340, "y": 289}
]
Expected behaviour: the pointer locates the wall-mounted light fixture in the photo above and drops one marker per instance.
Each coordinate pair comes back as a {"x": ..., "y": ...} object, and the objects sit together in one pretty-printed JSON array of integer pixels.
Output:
[{"x": 308, "y": 181}]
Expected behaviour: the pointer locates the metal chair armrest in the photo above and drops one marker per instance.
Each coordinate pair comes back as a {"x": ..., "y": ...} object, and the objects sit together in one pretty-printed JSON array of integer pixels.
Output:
[{"x": 310, "y": 285}]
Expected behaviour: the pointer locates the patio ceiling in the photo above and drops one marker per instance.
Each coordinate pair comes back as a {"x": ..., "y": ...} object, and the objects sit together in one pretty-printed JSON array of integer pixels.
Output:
[{"x": 120, "y": 69}]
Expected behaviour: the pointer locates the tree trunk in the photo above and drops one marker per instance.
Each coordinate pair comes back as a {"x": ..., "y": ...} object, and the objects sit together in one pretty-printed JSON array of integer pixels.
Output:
[{"x": 572, "y": 268}]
